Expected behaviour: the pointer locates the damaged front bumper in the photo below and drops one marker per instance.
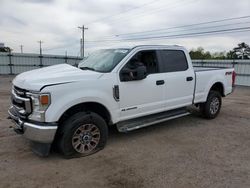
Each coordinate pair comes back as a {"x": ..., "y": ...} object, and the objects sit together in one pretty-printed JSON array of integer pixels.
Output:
[{"x": 39, "y": 133}]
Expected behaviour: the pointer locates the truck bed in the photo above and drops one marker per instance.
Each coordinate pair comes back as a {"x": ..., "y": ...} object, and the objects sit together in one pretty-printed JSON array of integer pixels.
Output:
[{"x": 205, "y": 76}]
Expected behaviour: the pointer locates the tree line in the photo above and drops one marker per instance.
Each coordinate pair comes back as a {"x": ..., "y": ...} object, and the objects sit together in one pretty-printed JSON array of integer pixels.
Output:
[
  {"x": 4, "y": 49},
  {"x": 242, "y": 51}
]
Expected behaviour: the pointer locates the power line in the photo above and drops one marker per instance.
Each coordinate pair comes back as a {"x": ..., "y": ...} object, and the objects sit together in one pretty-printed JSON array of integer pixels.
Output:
[
  {"x": 152, "y": 11},
  {"x": 195, "y": 28},
  {"x": 189, "y": 25},
  {"x": 240, "y": 29},
  {"x": 120, "y": 13},
  {"x": 179, "y": 27},
  {"x": 82, "y": 43},
  {"x": 200, "y": 35},
  {"x": 195, "y": 33},
  {"x": 113, "y": 40},
  {"x": 133, "y": 39},
  {"x": 72, "y": 44},
  {"x": 135, "y": 8}
]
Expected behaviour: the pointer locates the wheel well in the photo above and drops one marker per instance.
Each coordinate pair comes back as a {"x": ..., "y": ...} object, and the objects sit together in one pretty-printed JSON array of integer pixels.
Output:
[
  {"x": 218, "y": 87},
  {"x": 88, "y": 106}
]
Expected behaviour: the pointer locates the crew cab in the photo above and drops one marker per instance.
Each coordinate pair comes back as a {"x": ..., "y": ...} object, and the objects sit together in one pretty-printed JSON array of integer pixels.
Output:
[{"x": 130, "y": 88}]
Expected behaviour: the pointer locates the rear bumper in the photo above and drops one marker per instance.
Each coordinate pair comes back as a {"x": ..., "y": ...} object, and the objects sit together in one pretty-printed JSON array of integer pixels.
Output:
[{"x": 34, "y": 131}]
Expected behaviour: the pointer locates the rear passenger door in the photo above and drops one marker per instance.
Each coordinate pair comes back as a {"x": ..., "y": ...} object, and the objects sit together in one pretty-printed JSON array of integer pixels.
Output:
[{"x": 179, "y": 78}]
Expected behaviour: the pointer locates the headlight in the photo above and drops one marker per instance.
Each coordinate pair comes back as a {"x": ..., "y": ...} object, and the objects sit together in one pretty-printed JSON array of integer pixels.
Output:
[{"x": 40, "y": 103}]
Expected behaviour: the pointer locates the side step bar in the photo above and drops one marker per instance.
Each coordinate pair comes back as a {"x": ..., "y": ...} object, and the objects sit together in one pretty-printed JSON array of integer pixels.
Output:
[{"x": 145, "y": 121}]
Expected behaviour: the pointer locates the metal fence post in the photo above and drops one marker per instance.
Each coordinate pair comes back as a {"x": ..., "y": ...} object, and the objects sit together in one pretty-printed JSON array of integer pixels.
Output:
[
  {"x": 41, "y": 61},
  {"x": 66, "y": 59},
  {"x": 234, "y": 63},
  {"x": 10, "y": 62},
  {"x": 202, "y": 63}
]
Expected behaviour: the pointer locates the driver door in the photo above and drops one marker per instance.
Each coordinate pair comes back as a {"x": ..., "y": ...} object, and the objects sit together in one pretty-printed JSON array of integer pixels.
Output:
[{"x": 142, "y": 97}]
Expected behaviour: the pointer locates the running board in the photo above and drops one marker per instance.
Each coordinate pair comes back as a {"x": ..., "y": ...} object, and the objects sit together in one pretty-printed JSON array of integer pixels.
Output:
[{"x": 145, "y": 121}]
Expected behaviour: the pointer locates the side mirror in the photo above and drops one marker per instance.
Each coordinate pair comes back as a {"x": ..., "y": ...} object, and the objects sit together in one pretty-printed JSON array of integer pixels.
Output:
[
  {"x": 141, "y": 72},
  {"x": 138, "y": 73}
]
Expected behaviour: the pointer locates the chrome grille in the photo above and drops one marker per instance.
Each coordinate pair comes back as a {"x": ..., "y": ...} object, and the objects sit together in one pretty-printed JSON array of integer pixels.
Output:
[{"x": 20, "y": 101}]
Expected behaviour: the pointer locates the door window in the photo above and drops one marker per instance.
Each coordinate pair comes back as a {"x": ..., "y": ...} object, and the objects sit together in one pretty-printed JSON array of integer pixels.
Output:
[{"x": 146, "y": 58}]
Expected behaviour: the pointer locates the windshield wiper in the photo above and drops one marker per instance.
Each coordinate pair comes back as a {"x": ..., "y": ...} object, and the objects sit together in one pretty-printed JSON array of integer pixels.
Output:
[{"x": 87, "y": 68}]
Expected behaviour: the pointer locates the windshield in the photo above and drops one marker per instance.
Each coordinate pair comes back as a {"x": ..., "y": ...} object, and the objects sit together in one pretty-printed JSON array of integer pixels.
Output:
[{"x": 103, "y": 60}]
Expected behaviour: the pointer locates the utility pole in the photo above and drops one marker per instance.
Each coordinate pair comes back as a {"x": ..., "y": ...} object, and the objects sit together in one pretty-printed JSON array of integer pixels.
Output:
[
  {"x": 40, "y": 56},
  {"x": 81, "y": 47},
  {"x": 66, "y": 58},
  {"x": 21, "y": 46},
  {"x": 82, "y": 41},
  {"x": 40, "y": 45}
]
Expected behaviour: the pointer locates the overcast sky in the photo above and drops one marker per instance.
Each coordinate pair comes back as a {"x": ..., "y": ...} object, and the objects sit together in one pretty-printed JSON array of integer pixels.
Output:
[{"x": 55, "y": 23}]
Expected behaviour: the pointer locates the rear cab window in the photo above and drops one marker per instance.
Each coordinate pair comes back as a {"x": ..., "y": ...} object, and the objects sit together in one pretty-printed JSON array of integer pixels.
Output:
[{"x": 172, "y": 60}]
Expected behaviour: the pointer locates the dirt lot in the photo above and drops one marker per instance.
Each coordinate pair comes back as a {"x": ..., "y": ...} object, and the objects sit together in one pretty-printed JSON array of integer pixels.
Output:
[{"x": 186, "y": 152}]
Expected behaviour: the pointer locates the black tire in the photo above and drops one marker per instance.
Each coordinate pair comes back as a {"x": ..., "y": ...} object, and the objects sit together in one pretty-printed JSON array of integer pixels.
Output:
[
  {"x": 74, "y": 123},
  {"x": 208, "y": 109}
]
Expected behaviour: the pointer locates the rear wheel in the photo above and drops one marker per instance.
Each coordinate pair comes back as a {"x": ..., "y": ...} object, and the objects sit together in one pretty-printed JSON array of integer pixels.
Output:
[
  {"x": 82, "y": 134},
  {"x": 211, "y": 108}
]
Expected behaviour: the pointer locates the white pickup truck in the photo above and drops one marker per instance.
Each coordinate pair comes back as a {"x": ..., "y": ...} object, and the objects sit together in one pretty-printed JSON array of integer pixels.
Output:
[{"x": 127, "y": 87}]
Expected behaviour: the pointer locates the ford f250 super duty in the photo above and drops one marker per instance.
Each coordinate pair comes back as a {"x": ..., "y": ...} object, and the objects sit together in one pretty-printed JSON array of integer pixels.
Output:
[{"x": 129, "y": 88}]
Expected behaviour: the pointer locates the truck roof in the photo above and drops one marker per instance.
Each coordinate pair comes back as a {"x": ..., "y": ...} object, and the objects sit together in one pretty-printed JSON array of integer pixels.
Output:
[{"x": 151, "y": 46}]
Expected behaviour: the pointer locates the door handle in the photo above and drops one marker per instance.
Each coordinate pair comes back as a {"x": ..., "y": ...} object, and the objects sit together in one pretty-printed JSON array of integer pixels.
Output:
[
  {"x": 190, "y": 78},
  {"x": 160, "y": 82}
]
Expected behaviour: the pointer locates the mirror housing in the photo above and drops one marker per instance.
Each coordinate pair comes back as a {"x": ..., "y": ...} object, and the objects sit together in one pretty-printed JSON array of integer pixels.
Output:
[{"x": 141, "y": 72}]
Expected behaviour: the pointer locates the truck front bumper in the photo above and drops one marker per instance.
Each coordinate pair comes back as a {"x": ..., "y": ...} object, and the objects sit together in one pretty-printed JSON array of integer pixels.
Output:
[{"x": 34, "y": 131}]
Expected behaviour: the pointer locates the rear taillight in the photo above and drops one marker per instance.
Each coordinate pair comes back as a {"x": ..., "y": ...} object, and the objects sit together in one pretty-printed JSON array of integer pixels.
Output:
[{"x": 233, "y": 78}]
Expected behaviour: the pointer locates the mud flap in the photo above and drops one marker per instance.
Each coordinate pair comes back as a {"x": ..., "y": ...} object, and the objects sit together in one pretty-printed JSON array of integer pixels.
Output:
[{"x": 40, "y": 149}]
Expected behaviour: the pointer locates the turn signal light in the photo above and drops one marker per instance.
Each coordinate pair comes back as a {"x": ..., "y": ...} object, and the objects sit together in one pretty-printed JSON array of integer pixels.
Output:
[{"x": 44, "y": 99}]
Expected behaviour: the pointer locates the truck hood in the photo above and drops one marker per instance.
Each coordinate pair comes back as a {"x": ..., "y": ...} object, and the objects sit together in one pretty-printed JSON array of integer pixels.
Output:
[{"x": 57, "y": 74}]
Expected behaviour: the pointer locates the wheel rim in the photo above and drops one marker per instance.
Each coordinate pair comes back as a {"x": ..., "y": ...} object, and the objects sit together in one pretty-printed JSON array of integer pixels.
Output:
[
  {"x": 214, "y": 105},
  {"x": 86, "y": 138}
]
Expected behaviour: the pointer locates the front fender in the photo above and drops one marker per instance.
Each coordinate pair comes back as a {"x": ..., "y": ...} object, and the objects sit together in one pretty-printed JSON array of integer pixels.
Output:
[{"x": 61, "y": 103}]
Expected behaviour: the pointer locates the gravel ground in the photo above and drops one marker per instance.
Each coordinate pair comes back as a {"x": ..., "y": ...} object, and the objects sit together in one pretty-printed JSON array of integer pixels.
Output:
[{"x": 185, "y": 152}]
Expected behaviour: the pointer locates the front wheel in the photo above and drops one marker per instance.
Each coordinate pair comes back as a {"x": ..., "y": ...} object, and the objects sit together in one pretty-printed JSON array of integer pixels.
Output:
[
  {"x": 83, "y": 134},
  {"x": 211, "y": 108}
]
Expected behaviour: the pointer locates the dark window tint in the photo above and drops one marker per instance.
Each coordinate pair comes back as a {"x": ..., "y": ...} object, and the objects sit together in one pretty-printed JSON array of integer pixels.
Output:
[{"x": 173, "y": 60}]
